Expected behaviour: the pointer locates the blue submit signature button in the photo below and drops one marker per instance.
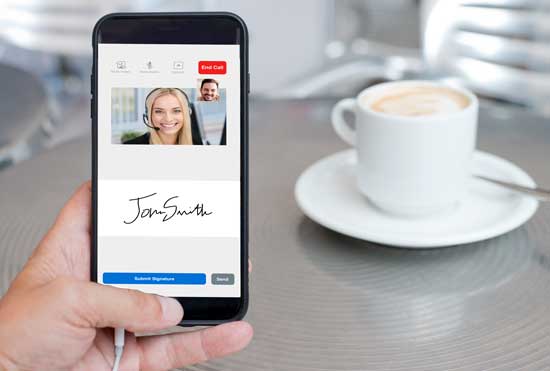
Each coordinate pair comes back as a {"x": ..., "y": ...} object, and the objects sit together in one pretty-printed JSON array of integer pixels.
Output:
[{"x": 154, "y": 278}]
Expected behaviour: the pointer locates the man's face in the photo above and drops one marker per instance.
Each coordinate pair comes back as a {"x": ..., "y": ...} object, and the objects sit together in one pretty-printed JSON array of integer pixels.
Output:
[{"x": 209, "y": 91}]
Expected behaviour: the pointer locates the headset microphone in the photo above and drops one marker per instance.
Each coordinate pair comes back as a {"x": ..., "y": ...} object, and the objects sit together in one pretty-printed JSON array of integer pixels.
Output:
[{"x": 147, "y": 124}]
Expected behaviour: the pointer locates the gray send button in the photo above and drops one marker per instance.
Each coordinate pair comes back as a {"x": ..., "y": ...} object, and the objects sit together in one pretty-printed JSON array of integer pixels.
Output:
[{"x": 223, "y": 279}]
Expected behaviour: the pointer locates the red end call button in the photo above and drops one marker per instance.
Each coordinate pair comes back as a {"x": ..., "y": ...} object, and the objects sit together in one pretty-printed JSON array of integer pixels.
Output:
[{"x": 213, "y": 67}]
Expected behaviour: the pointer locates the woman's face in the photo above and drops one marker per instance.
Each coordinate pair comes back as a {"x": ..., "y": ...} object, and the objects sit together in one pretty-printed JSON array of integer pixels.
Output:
[{"x": 167, "y": 114}]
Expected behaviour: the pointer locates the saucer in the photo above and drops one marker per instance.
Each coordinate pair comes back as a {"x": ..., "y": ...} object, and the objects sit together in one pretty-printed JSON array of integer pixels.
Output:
[{"x": 327, "y": 193}]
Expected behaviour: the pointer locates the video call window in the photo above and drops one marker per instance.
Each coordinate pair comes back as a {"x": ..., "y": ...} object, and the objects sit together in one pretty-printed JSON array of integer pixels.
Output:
[{"x": 173, "y": 116}]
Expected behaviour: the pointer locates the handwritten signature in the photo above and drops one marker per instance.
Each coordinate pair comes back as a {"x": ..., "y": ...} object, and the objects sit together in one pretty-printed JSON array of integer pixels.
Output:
[{"x": 168, "y": 210}]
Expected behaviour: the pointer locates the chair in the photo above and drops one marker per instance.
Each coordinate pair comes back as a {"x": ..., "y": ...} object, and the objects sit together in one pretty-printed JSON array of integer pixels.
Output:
[
  {"x": 25, "y": 121},
  {"x": 499, "y": 48},
  {"x": 196, "y": 128}
]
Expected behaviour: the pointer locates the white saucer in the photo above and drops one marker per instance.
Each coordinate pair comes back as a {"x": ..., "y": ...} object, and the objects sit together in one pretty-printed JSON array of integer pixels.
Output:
[{"x": 327, "y": 193}]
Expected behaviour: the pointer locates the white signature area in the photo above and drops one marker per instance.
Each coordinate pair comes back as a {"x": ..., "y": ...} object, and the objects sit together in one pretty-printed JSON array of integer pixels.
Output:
[{"x": 168, "y": 208}]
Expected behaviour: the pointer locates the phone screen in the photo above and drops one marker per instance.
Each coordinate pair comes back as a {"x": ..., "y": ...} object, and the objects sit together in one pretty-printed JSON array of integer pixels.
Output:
[{"x": 169, "y": 168}]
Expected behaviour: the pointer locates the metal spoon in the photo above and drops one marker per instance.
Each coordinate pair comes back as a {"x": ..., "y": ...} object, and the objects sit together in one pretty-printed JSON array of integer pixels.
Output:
[{"x": 538, "y": 193}]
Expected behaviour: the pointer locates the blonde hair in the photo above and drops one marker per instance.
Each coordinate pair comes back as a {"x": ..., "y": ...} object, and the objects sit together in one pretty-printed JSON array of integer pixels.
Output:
[{"x": 184, "y": 135}]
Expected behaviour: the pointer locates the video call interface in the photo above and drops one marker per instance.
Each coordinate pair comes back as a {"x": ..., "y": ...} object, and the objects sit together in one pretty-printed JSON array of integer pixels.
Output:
[{"x": 169, "y": 169}]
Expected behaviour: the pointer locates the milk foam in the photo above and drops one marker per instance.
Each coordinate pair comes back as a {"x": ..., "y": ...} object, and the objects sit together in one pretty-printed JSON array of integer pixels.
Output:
[{"x": 420, "y": 101}]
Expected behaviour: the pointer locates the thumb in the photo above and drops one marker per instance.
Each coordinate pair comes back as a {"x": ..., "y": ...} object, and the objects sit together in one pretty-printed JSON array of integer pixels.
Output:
[{"x": 99, "y": 306}]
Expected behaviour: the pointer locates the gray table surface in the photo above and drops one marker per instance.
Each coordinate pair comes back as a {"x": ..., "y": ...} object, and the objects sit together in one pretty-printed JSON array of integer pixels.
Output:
[{"x": 324, "y": 301}]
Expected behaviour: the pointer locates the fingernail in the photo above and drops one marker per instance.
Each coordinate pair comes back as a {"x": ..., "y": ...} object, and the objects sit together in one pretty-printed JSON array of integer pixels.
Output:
[{"x": 171, "y": 309}]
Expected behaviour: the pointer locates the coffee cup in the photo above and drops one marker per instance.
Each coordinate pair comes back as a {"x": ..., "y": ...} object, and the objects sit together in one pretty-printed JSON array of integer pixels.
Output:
[{"x": 415, "y": 142}]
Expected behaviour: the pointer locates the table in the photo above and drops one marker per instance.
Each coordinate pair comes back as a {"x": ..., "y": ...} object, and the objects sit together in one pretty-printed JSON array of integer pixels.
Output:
[{"x": 323, "y": 301}]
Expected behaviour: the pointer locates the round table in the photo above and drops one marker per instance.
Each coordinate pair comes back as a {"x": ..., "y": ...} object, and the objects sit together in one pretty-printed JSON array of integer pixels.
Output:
[{"x": 324, "y": 301}]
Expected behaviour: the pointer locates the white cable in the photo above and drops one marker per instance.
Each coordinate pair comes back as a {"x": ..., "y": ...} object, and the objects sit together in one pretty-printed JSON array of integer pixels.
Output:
[{"x": 119, "y": 346}]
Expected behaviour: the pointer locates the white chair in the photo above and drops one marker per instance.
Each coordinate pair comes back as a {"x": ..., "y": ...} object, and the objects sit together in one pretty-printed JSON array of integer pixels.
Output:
[
  {"x": 24, "y": 118},
  {"x": 498, "y": 48}
]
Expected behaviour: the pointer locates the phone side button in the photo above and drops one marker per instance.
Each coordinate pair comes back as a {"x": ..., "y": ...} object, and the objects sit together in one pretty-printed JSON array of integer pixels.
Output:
[
  {"x": 248, "y": 84},
  {"x": 223, "y": 279}
]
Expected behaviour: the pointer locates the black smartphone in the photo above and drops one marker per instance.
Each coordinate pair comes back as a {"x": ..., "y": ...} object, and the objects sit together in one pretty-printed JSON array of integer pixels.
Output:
[{"x": 170, "y": 159}]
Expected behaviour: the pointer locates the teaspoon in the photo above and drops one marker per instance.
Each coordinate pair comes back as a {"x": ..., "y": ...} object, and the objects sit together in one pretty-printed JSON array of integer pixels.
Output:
[{"x": 538, "y": 193}]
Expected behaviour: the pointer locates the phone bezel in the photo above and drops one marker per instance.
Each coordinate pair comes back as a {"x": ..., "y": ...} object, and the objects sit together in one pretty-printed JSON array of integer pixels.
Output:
[{"x": 199, "y": 311}]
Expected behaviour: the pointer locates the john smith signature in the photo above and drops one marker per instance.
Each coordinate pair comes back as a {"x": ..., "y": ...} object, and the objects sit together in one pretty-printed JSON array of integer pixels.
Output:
[{"x": 168, "y": 211}]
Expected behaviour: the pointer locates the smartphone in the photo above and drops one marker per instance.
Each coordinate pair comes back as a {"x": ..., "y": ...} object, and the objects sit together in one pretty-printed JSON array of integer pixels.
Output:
[{"x": 170, "y": 159}]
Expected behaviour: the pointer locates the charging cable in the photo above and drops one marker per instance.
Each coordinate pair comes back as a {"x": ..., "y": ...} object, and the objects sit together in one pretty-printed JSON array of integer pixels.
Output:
[{"x": 119, "y": 346}]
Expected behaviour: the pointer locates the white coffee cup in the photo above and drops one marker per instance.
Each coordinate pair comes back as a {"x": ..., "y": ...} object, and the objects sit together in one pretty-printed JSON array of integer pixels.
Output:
[{"x": 408, "y": 162}]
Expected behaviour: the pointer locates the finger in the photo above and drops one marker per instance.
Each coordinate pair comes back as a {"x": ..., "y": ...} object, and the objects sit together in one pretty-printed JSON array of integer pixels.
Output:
[
  {"x": 164, "y": 352},
  {"x": 107, "y": 306},
  {"x": 249, "y": 266},
  {"x": 76, "y": 214}
]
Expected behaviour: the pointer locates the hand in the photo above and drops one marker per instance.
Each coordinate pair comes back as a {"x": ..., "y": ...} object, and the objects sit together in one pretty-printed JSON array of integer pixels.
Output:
[{"x": 53, "y": 318}]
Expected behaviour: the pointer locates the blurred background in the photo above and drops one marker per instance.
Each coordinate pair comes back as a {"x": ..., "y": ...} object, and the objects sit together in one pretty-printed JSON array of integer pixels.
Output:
[{"x": 498, "y": 48}]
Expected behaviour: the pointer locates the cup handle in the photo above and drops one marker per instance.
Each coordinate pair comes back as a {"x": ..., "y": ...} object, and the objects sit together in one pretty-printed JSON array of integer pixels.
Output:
[{"x": 340, "y": 125}]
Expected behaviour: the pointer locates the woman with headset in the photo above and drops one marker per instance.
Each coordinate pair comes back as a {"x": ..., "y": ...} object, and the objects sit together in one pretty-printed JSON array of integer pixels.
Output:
[{"x": 168, "y": 117}]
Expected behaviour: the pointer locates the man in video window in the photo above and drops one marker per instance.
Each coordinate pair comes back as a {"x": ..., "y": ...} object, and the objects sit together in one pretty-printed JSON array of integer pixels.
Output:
[{"x": 209, "y": 91}]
